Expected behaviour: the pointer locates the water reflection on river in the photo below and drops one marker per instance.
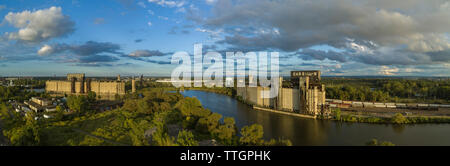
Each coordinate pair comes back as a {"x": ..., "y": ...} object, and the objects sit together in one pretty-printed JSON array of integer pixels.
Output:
[{"x": 303, "y": 131}]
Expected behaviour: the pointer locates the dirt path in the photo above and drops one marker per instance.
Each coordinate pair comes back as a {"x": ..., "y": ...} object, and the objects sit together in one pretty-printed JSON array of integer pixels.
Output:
[{"x": 104, "y": 139}]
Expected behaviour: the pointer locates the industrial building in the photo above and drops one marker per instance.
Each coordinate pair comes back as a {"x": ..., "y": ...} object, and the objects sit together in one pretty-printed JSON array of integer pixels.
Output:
[
  {"x": 306, "y": 96},
  {"x": 78, "y": 84}
]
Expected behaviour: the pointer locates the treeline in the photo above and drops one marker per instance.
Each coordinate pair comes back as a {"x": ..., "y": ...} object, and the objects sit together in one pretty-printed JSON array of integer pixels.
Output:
[
  {"x": 17, "y": 93},
  {"x": 30, "y": 82},
  {"x": 388, "y": 90},
  {"x": 229, "y": 91},
  {"x": 397, "y": 118},
  {"x": 361, "y": 93}
]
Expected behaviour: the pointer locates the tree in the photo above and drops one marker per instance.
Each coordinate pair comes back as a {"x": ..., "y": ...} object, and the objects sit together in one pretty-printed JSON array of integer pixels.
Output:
[
  {"x": 337, "y": 113},
  {"x": 209, "y": 123},
  {"x": 59, "y": 113},
  {"x": 137, "y": 131},
  {"x": 186, "y": 138},
  {"x": 252, "y": 135},
  {"x": 398, "y": 118},
  {"x": 78, "y": 104},
  {"x": 227, "y": 131},
  {"x": 25, "y": 135},
  {"x": 375, "y": 142},
  {"x": 91, "y": 141},
  {"x": 91, "y": 97}
]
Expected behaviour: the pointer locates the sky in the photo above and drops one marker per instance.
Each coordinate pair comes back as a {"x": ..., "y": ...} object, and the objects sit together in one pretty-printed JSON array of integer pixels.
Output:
[{"x": 133, "y": 37}]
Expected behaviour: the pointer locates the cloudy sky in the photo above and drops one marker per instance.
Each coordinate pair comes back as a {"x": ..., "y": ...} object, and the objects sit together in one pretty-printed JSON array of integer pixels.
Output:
[{"x": 129, "y": 37}]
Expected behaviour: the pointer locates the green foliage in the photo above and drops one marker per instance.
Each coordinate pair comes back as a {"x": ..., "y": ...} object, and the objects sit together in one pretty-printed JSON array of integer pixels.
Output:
[
  {"x": 229, "y": 91},
  {"x": 25, "y": 135},
  {"x": 79, "y": 104},
  {"x": 17, "y": 93},
  {"x": 398, "y": 118},
  {"x": 161, "y": 136},
  {"x": 358, "y": 93},
  {"x": 191, "y": 111},
  {"x": 151, "y": 111},
  {"x": 208, "y": 124},
  {"x": 135, "y": 105},
  {"x": 337, "y": 113},
  {"x": 191, "y": 107},
  {"x": 92, "y": 141},
  {"x": 375, "y": 142},
  {"x": 388, "y": 90},
  {"x": 279, "y": 142},
  {"x": 10, "y": 118},
  {"x": 156, "y": 100},
  {"x": 252, "y": 135},
  {"x": 59, "y": 113},
  {"x": 137, "y": 131},
  {"x": 186, "y": 138},
  {"x": 91, "y": 97},
  {"x": 226, "y": 133}
]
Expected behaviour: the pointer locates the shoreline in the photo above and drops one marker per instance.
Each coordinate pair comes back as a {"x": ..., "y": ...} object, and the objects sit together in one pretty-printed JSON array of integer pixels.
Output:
[
  {"x": 284, "y": 112},
  {"x": 351, "y": 117}
]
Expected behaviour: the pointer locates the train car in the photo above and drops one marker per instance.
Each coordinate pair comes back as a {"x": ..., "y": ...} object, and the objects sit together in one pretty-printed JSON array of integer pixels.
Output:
[
  {"x": 368, "y": 105},
  {"x": 422, "y": 106},
  {"x": 346, "y": 102},
  {"x": 357, "y": 104},
  {"x": 411, "y": 105},
  {"x": 401, "y": 105},
  {"x": 434, "y": 105},
  {"x": 379, "y": 106},
  {"x": 444, "y": 106},
  {"x": 391, "y": 106},
  {"x": 343, "y": 105},
  {"x": 337, "y": 101}
]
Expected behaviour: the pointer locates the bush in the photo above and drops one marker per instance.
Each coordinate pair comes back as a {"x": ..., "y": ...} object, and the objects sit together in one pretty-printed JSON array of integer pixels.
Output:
[
  {"x": 186, "y": 138},
  {"x": 208, "y": 124},
  {"x": 399, "y": 119},
  {"x": 375, "y": 142},
  {"x": 78, "y": 104},
  {"x": 227, "y": 132},
  {"x": 252, "y": 135}
]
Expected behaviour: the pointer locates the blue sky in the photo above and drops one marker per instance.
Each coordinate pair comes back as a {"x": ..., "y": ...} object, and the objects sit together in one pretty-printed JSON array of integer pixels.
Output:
[{"x": 131, "y": 37}]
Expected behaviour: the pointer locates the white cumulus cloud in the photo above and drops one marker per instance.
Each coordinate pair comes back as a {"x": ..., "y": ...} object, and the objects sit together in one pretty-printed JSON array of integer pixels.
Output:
[
  {"x": 45, "y": 50},
  {"x": 385, "y": 70},
  {"x": 39, "y": 25},
  {"x": 166, "y": 3}
]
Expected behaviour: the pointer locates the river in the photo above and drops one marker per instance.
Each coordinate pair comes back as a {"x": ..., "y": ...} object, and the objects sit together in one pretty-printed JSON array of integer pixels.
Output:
[{"x": 302, "y": 131}]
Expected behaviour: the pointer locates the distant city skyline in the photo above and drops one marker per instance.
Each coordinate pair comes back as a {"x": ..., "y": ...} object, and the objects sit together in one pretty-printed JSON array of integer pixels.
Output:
[{"x": 133, "y": 37}]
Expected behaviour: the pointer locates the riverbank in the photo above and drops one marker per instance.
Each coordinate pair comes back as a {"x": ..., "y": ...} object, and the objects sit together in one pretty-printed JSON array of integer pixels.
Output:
[
  {"x": 354, "y": 115},
  {"x": 386, "y": 117},
  {"x": 220, "y": 90},
  {"x": 394, "y": 119},
  {"x": 284, "y": 112},
  {"x": 318, "y": 132}
]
